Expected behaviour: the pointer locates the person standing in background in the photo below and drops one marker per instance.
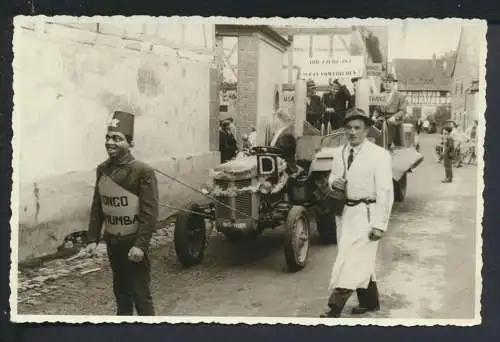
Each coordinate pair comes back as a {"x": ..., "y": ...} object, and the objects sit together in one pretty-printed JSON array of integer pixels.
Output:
[
  {"x": 252, "y": 137},
  {"x": 232, "y": 127},
  {"x": 471, "y": 139},
  {"x": 418, "y": 129},
  {"x": 126, "y": 202},
  {"x": 227, "y": 143},
  {"x": 314, "y": 106},
  {"x": 448, "y": 155}
]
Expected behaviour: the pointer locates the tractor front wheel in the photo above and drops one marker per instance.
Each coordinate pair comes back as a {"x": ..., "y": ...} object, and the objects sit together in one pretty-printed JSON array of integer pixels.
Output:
[
  {"x": 190, "y": 236},
  {"x": 297, "y": 232}
]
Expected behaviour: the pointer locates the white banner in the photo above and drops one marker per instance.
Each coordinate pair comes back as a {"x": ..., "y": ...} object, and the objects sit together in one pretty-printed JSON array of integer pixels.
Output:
[
  {"x": 342, "y": 68},
  {"x": 374, "y": 69}
]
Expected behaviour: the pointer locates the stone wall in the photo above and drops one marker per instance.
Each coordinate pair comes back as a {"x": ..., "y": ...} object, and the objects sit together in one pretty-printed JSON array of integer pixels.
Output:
[{"x": 69, "y": 78}]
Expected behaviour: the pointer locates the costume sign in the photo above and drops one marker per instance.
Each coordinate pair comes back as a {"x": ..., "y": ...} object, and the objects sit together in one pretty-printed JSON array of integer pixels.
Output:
[
  {"x": 374, "y": 70},
  {"x": 120, "y": 208},
  {"x": 379, "y": 99}
]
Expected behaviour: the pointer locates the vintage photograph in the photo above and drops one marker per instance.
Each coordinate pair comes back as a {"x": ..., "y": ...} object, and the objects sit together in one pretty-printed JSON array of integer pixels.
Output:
[{"x": 308, "y": 171}]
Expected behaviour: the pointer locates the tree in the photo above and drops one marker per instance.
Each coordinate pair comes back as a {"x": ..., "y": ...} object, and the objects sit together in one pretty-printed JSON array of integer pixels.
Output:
[{"x": 442, "y": 114}]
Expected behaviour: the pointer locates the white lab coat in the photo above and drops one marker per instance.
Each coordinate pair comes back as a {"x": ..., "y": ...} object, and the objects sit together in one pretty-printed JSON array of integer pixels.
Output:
[{"x": 369, "y": 177}]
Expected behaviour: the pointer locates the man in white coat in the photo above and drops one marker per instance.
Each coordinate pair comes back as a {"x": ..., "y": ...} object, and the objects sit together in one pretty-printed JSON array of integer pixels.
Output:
[{"x": 367, "y": 171}]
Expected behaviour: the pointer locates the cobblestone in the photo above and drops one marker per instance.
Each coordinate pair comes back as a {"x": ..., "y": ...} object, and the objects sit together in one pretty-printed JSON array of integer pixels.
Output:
[{"x": 33, "y": 283}]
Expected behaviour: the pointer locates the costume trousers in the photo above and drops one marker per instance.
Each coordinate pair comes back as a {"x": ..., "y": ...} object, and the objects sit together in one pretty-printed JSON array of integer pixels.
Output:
[
  {"x": 448, "y": 167},
  {"x": 131, "y": 280},
  {"x": 394, "y": 131}
]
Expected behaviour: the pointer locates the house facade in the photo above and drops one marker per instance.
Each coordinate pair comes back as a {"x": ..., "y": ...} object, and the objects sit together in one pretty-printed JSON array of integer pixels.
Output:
[
  {"x": 464, "y": 86},
  {"x": 425, "y": 82}
]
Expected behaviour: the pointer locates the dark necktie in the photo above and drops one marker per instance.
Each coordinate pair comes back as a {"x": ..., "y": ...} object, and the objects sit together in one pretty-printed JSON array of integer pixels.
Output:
[{"x": 350, "y": 158}]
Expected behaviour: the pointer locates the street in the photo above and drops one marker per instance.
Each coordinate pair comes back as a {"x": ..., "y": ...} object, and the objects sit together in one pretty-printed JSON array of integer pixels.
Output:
[{"x": 426, "y": 265}]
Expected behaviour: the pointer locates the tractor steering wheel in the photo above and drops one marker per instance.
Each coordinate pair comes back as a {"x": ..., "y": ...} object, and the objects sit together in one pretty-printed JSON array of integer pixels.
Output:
[{"x": 266, "y": 149}]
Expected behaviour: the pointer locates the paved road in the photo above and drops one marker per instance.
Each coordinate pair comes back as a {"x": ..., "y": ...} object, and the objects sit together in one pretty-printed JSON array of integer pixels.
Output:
[{"x": 426, "y": 266}]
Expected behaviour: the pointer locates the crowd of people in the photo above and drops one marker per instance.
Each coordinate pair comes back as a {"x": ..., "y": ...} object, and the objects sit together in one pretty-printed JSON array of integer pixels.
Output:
[
  {"x": 327, "y": 113},
  {"x": 228, "y": 143},
  {"x": 456, "y": 148}
]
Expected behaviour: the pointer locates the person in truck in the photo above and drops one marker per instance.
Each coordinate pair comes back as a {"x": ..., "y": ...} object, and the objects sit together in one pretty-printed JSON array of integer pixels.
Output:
[{"x": 394, "y": 112}]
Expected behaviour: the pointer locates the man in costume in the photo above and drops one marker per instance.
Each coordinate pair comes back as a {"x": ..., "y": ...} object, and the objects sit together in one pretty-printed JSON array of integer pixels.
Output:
[
  {"x": 366, "y": 169},
  {"x": 335, "y": 104},
  {"x": 394, "y": 111},
  {"x": 126, "y": 201},
  {"x": 314, "y": 108}
]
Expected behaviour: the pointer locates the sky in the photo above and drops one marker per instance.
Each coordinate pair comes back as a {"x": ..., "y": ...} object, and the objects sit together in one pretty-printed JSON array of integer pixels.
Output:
[{"x": 422, "y": 39}]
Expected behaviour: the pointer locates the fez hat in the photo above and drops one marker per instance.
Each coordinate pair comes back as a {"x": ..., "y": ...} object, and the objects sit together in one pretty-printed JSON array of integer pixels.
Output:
[
  {"x": 355, "y": 79},
  {"x": 356, "y": 113},
  {"x": 390, "y": 78},
  {"x": 122, "y": 122}
]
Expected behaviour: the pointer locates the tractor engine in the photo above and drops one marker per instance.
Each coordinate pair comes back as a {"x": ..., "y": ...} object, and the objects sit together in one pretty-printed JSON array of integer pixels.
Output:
[{"x": 239, "y": 187}]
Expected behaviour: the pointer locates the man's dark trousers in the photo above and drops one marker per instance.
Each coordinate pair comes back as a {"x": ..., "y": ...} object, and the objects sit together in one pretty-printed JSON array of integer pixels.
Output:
[
  {"x": 368, "y": 299},
  {"x": 131, "y": 280},
  {"x": 448, "y": 167}
]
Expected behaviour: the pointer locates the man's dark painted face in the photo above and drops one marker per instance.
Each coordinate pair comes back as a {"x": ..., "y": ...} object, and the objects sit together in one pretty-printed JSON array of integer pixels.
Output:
[
  {"x": 116, "y": 145},
  {"x": 388, "y": 85},
  {"x": 356, "y": 131}
]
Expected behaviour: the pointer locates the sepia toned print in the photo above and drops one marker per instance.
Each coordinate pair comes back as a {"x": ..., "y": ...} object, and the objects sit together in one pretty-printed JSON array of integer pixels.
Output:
[{"x": 248, "y": 171}]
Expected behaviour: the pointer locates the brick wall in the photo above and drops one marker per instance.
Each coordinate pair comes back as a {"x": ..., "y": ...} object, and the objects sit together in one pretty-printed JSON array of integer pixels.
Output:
[{"x": 246, "y": 106}]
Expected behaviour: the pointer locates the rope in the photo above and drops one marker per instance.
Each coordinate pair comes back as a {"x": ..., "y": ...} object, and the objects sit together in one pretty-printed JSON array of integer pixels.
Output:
[
  {"x": 207, "y": 196},
  {"x": 185, "y": 210}
]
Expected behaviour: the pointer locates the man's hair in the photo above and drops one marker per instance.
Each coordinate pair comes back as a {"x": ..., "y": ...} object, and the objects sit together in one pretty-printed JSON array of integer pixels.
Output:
[
  {"x": 284, "y": 116},
  {"x": 448, "y": 129}
]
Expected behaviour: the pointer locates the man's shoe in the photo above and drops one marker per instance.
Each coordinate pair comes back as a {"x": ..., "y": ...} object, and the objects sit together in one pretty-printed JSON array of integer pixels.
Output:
[
  {"x": 360, "y": 310},
  {"x": 330, "y": 314},
  {"x": 446, "y": 181}
]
